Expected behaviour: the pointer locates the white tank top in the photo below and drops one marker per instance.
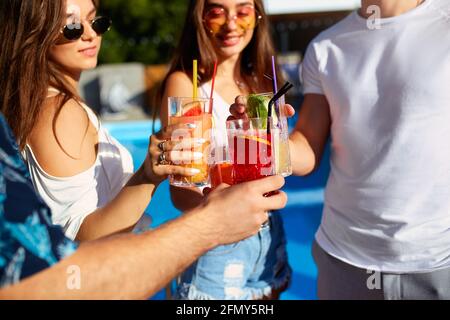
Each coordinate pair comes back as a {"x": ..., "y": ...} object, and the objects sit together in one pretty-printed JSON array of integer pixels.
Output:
[
  {"x": 72, "y": 199},
  {"x": 221, "y": 111}
]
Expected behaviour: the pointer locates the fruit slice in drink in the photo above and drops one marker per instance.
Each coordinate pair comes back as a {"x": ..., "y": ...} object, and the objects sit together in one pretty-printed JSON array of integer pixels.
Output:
[
  {"x": 252, "y": 157},
  {"x": 192, "y": 109},
  {"x": 203, "y": 124},
  {"x": 221, "y": 173},
  {"x": 257, "y": 107}
]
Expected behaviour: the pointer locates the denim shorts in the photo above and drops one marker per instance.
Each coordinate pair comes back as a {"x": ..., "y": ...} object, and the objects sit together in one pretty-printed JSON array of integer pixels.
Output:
[{"x": 247, "y": 270}]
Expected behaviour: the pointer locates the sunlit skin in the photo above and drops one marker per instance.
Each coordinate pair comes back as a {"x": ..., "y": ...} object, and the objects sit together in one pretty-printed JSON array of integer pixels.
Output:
[
  {"x": 388, "y": 8},
  {"x": 66, "y": 145},
  {"x": 117, "y": 267},
  {"x": 231, "y": 39},
  {"x": 82, "y": 54}
]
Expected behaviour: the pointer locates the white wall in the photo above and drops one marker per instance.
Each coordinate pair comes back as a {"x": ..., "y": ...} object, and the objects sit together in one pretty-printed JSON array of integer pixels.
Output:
[{"x": 296, "y": 6}]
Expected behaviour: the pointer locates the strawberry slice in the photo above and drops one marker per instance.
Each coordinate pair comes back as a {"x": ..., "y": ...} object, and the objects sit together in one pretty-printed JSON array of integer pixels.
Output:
[{"x": 192, "y": 109}]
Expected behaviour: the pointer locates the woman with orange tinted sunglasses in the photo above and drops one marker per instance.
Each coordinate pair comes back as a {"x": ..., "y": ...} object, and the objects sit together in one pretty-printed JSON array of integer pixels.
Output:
[{"x": 235, "y": 34}]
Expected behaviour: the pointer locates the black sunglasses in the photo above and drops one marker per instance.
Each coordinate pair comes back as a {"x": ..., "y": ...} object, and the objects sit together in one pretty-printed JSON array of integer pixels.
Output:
[{"x": 74, "y": 31}]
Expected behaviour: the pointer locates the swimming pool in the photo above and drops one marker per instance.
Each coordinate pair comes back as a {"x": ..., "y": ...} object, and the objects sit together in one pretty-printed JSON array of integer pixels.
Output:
[{"x": 301, "y": 216}]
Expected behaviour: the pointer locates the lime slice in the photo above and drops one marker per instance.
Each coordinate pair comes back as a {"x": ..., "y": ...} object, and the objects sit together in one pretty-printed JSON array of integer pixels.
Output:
[
  {"x": 276, "y": 141},
  {"x": 257, "y": 106}
]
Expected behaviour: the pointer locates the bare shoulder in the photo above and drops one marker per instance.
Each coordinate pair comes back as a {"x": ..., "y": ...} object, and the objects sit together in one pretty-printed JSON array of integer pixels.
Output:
[
  {"x": 65, "y": 143},
  {"x": 179, "y": 76},
  {"x": 178, "y": 84}
]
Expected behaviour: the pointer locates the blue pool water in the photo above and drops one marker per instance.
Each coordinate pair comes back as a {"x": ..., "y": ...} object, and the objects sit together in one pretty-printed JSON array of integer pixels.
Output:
[{"x": 301, "y": 216}]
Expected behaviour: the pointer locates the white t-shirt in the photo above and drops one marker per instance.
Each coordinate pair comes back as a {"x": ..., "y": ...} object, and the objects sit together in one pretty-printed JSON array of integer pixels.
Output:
[
  {"x": 387, "y": 201},
  {"x": 72, "y": 199},
  {"x": 221, "y": 112}
]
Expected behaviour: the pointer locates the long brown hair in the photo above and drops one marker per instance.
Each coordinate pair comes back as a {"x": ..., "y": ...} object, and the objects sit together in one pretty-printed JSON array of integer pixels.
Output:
[
  {"x": 256, "y": 57},
  {"x": 28, "y": 30}
]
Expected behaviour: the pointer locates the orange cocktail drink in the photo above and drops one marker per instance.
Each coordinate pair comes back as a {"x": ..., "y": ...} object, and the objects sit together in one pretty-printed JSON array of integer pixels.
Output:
[{"x": 197, "y": 112}]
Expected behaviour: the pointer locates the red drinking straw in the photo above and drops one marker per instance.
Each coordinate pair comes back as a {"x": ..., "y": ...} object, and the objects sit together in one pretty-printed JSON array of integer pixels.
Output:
[{"x": 212, "y": 85}]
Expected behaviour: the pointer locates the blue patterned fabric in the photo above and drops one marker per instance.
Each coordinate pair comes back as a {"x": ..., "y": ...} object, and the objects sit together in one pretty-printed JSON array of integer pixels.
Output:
[{"x": 29, "y": 243}]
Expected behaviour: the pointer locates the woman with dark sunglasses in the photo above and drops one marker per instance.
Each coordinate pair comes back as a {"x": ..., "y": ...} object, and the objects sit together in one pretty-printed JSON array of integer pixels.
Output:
[
  {"x": 83, "y": 174},
  {"x": 235, "y": 34}
]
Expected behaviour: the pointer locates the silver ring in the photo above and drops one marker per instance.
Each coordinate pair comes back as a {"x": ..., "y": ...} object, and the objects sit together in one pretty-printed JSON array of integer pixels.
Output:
[
  {"x": 267, "y": 222},
  {"x": 162, "y": 145},
  {"x": 162, "y": 159}
]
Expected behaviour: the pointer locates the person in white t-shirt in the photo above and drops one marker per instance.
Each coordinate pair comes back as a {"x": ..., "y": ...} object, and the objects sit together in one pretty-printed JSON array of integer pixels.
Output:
[{"x": 379, "y": 87}]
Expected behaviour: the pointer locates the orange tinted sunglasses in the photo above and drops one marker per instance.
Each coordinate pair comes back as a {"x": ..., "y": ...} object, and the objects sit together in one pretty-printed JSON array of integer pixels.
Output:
[{"x": 216, "y": 17}]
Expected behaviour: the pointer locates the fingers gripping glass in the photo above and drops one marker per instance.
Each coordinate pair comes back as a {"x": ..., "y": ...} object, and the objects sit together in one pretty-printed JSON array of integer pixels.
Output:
[
  {"x": 246, "y": 18},
  {"x": 74, "y": 31}
]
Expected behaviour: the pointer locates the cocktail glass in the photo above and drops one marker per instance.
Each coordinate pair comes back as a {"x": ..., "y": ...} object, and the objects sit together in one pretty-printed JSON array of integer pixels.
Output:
[
  {"x": 251, "y": 149},
  {"x": 196, "y": 111},
  {"x": 257, "y": 107}
]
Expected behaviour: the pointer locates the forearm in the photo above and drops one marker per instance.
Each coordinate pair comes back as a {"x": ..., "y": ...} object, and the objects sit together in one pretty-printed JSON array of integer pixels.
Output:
[
  {"x": 122, "y": 267},
  {"x": 122, "y": 213},
  {"x": 303, "y": 159}
]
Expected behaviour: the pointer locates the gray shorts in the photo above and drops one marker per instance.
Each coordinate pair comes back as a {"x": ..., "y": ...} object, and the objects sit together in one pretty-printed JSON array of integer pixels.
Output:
[{"x": 338, "y": 280}]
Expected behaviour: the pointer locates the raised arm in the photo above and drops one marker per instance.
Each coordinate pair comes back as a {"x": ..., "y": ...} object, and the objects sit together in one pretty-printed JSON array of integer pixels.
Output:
[
  {"x": 179, "y": 85},
  {"x": 70, "y": 147},
  {"x": 310, "y": 135},
  {"x": 307, "y": 141},
  {"x": 137, "y": 266}
]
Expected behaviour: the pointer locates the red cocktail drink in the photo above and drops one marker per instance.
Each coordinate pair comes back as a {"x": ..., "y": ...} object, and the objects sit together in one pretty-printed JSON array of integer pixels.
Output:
[
  {"x": 250, "y": 147},
  {"x": 252, "y": 157},
  {"x": 221, "y": 173}
]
